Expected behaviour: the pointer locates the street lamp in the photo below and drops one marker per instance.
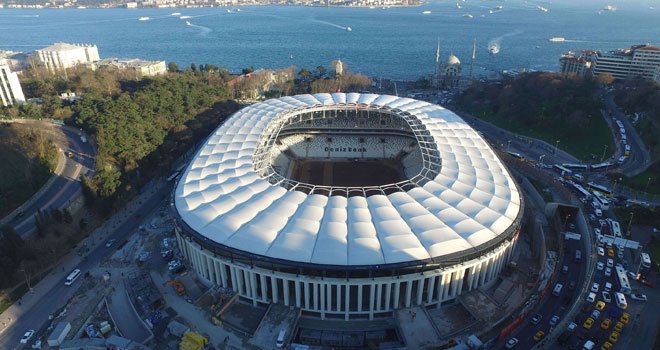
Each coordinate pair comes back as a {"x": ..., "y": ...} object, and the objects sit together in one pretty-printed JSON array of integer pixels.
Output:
[
  {"x": 541, "y": 159},
  {"x": 565, "y": 221},
  {"x": 556, "y": 145},
  {"x": 508, "y": 145},
  {"x": 27, "y": 279},
  {"x": 603, "y": 156},
  {"x": 630, "y": 223},
  {"x": 647, "y": 185}
]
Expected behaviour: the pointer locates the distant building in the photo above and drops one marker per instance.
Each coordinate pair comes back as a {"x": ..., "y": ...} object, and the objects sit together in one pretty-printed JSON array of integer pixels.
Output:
[
  {"x": 640, "y": 61},
  {"x": 451, "y": 72},
  {"x": 62, "y": 55},
  {"x": 338, "y": 66},
  {"x": 142, "y": 68},
  {"x": 16, "y": 60},
  {"x": 577, "y": 62},
  {"x": 10, "y": 88}
]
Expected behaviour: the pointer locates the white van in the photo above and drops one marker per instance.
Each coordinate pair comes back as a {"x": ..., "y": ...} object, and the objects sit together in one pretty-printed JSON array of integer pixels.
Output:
[
  {"x": 72, "y": 277},
  {"x": 598, "y": 212},
  {"x": 557, "y": 289},
  {"x": 280, "y": 339},
  {"x": 620, "y": 300}
]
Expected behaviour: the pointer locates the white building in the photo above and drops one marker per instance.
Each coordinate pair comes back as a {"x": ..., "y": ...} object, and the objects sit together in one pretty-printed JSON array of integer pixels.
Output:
[
  {"x": 448, "y": 226},
  {"x": 140, "y": 67},
  {"x": 577, "y": 62},
  {"x": 10, "y": 88},
  {"x": 639, "y": 61},
  {"x": 62, "y": 55}
]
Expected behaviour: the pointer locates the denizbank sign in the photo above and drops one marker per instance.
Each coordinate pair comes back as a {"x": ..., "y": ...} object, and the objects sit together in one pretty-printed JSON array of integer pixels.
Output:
[{"x": 345, "y": 149}]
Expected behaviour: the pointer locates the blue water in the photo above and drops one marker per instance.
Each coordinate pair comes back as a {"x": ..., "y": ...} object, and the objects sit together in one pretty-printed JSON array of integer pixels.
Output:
[{"x": 397, "y": 43}]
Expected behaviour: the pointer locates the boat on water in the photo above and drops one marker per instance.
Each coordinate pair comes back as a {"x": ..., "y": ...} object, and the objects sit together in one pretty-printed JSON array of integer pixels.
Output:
[
  {"x": 144, "y": 18},
  {"x": 458, "y": 6},
  {"x": 427, "y": 12},
  {"x": 82, "y": 7},
  {"x": 175, "y": 14},
  {"x": 557, "y": 39},
  {"x": 541, "y": 8},
  {"x": 349, "y": 29},
  {"x": 609, "y": 8},
  {"x": 185, "y": 17},
  {"x": 467, "y": 15},
  {"x": 188, "y": 23},
  {"x": 494, "y": 49},
  {"x": 372, "y": 7}
]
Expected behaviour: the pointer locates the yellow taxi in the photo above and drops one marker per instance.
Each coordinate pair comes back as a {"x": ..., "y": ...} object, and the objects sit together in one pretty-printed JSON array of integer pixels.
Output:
[
  {"x": 625, "y": 318},
  {"x": 618, "y": 327},
  {"x": 600, "y": 305},
  {"x": 606, "y": 323},
  {"x": 614, "y": 337},
  {"x": 69, "y": 154},
  {"x": 539, "y": 335},
  {"x": 610, "y": 252},
  {"x": 606, "y": 346},
  {"x": 588, "y": 323}
]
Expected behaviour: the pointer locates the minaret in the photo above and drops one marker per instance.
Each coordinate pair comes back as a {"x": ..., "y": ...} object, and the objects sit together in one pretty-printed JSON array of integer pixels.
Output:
[
  {"x": 437, "y": 63},
  {"x": 474, "y": 55}
]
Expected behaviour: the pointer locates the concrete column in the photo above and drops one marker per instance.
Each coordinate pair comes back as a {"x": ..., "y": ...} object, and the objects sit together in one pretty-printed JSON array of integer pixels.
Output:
[
  {"x": 285, "y": 290},
  {"x": 461, "y": 280},
  {"x": 397, "y": 289},
  {"x": 298, "y": 296},
  {"x": 273, "y": 287},
  {"x": 339, "y": 298},
  {"x": 454, "y": 283},
  {"x": 445, "y": 285},
  {"x": 264, "y": 287},
  {"x": 248, "y": 285},
  {"x": 429, "y": 289},
  {"x": 372, "y": 292},
  {"x": 223, "y": 274},
  {"x": 379, "y": 296},
  {"x": 253, "y": 284},
  {"x": 315, "y": 290},
  {"x": 216, "y": 272},
  {"x": 408, "y": 293},
  {"x": 482, "y": 273},
  {"x": 388, "y": 295},
  {"x": 234, "y": 280},
  {"x": 306, "y": 285},
  {"x": 420, "y": 290},
  {"x": 239, "y": 281},
  {"x": 329, "y": 297},
  {"x": 359, "y": 296},
  {"x": 323, "y": 300},
  {"x": 347, "y": 302}
]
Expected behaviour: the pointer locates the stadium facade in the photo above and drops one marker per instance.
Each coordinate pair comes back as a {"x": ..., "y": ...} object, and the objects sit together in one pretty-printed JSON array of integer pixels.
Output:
[{"x": 348, "y": 206}]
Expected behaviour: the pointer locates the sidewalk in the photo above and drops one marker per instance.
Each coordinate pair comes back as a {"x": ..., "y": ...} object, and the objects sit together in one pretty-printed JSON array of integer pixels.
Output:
[{"x": 72, "y": 260}]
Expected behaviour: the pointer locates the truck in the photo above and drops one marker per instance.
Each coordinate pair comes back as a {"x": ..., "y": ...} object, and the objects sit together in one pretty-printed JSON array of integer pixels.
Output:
[
  {"x": 83, "y": 138},
  {"x": 59, "y": 333}
]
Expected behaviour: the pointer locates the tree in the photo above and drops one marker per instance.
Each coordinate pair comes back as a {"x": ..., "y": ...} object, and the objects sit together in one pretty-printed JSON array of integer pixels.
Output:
[
  {"x": 11, "y": 254},
  {"x": 320, "y": 71},
  {"x": 172, "y": 67},
  {"x": 304, "y": 74}
]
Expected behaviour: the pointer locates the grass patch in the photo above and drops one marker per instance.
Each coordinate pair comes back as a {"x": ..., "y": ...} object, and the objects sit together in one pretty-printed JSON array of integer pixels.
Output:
[
  {"x": 646, "y": 181},
  {"x": 28, "y": 159},
  {"x": 654, "y": 251},
  {"x": 546, "y": 106},
  {"x": 544, "y": 191}
]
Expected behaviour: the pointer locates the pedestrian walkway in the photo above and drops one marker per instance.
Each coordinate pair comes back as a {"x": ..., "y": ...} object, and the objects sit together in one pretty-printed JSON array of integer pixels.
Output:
[
  {"x": 126, "y": 320},
  {"x": 416, "y": 328},
  {"x": 72, "y": 260}
]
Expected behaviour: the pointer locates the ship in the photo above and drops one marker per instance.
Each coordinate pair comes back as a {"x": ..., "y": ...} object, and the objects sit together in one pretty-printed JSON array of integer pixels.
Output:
[
  {"x": 458, "y": 6},
  {"x": 541, "y": 8},
  {"x": 427, "y": 12},
  {"x": 175, "y": 14},
  {"x": 494, "y": 49},
  {"x": 609, "y": 8},
  {"x": 349, "y": 29},
  {"x": 188, "y": 23},
  {"x": 184, "y": 17},
  {"x": 143, "y": 18},
  {"x": 467, "y": 15},
  {"x": 557, "y": 39}
]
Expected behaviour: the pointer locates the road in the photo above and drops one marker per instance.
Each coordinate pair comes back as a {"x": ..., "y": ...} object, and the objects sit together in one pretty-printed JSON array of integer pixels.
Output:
[
  {"x": 639, "y": 158},
  {"x": 37, "y": 316},
  {"x": 65, "y": 188}
]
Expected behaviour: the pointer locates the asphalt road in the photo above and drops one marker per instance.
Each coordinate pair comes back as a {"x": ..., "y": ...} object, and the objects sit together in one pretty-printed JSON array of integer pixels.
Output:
[
  {"x": 639, "y": 157},
  {"x": 37, "y": 316},
  {"x": 65, "y": 187}
]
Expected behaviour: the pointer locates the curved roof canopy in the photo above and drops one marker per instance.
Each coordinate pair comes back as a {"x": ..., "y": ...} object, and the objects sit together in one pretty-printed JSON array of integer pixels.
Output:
[{"x": 469, "y": 202}]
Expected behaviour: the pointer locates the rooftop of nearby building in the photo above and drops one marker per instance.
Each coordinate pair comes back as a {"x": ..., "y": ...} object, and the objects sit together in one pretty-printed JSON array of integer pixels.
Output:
[
  {"x": 63, "y": 47},
  {"x": 127, "y": 62}
]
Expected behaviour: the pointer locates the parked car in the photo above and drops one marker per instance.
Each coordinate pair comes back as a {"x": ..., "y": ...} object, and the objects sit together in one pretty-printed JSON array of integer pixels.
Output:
[
  {"x": 109, "y": 243},
  {"x": 595, "y": 314},
  {"x": 554, "y": 320},
  {"x": 601, "y": 250},
  {"x": 27, "y": 336},
  {"x": 539, "y": 335},
  {"x": 608, "y": 271},
  {"x": 631, "y": 275},
  {"x": 600, "y": 266},
  {"x": 595, "y": 287},
  {"x": 640, "y": 297},
  {"x": 606, "y": 297},
  {"x": 536, "y": 318},
  {"x": 571, "y": 327},
  {"x": 591, "y": 297},
  {"x": 610, "y": 263},
  {"x": 511, "y": 343}
]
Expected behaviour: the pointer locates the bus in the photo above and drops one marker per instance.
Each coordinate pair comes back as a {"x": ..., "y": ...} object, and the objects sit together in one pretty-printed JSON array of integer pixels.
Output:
[
  {"x": 616, "y": 228},
  {"x": 563, "y": 171},
  {"x": 575, "y": 166},
  {"x": 602, "y": 200},
  {"x": 622, "y": 279},
  {"x": 72, "y": 277},
  {"x": 600, "y": 188},
  {"x": 601, "y": 166},
  {"x": 516, "y": 155},
  {"x": 620, "y": 300},
  {"x": 646, "y": 260},
  {"x": 172, "y": 176},
  {"x": 581, "y": 190},
  {"x": 619, "y": 124}
]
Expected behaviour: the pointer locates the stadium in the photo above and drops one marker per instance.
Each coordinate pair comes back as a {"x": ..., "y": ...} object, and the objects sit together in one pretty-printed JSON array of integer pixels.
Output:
[{"x": 348, "y": 206}]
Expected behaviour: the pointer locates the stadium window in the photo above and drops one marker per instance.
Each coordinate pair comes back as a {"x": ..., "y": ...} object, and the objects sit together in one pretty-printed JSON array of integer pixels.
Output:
[
  {"x": 382, "y": 140},
  {"x": 329, "y": 139},
  {"x": 361, "y": 140}
]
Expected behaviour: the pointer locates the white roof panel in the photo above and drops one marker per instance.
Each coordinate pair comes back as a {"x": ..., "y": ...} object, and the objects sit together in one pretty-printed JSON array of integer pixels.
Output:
[{"x": 470, "y": 201}]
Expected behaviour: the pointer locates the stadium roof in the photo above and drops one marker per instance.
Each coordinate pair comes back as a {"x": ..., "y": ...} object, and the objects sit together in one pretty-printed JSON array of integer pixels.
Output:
[{"x": 470, "y": 202}]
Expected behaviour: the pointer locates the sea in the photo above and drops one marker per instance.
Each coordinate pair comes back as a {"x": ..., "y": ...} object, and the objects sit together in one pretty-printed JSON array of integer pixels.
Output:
[{"x": 392, "y": 43}]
